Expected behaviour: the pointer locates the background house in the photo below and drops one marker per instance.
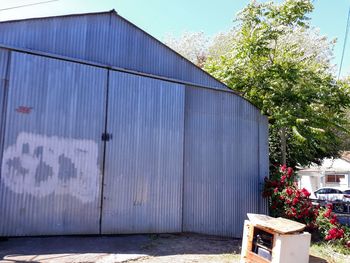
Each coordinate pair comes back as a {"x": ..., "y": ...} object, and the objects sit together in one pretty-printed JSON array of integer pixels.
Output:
[{"x": 331, "y": 173}]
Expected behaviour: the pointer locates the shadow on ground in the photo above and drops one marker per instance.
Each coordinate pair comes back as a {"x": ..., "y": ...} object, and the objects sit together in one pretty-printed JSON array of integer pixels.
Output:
[
  {"x": 314, "y": 259},
  {"x": 113, "y": 248},
  {"x": 163, "y": 248}
]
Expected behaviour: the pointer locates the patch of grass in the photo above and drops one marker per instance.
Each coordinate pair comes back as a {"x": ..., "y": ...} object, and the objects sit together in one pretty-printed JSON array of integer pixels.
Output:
[
  {"x": 232, "y": 257},
  {"x": 331, "y": 253}
]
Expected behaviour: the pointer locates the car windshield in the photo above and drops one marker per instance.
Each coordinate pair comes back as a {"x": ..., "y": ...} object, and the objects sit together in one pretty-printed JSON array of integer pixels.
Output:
[
  {"x": 330, "y": 191},
  {"x": 346, "y": 192}
]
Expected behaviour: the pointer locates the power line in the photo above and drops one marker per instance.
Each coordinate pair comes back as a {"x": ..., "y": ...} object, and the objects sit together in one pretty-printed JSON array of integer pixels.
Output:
[
  {"x": 345, "y": 40},
  {"x": 39, "y": 3}
]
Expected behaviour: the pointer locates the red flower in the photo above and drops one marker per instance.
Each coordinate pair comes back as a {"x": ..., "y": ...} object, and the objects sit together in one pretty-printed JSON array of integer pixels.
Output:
[
  {"x": 283, "y": 178},
  {"x": 283, "y": 168},
  {"x": 289, "y": 191},
  {"x": 329, "y": 206},
  {"x": 335, "y": 233},
  {"x": 275, "y": 190},
  {"x": 295, "y": 201},
  {"x": 305, "y": 192},
  {"x": 289, "y": 172},
  {"x": 340, "y": 233},
  {"x": 333, "y": 221},
  {"x": 327, "y": 213}
]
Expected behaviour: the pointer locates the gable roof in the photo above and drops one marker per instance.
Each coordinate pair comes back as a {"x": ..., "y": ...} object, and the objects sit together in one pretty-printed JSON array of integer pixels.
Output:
[
  {"x": 107, "y": 38},
  {"x": 345, "y": 156},
  {"x": 329, "y": 165}
]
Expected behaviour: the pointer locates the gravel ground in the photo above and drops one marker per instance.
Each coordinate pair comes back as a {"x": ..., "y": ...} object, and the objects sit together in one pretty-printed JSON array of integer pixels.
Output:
[{"x": 163, "y": 248}]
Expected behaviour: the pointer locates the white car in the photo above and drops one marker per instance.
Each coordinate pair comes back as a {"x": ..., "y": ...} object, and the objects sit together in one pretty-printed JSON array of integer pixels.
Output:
[
  {"x": 329, "y": 194},
  {"x": 346, "y": 195}
]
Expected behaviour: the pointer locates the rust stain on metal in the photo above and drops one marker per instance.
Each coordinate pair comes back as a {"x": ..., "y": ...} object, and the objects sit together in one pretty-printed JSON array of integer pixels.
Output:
[{"x": 24, "y": 109}]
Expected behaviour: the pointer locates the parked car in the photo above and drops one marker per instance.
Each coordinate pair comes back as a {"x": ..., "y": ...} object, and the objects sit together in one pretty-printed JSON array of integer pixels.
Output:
[
  {"x": 346, "y": 195},
  {"x": 334, "y": 196},
  {"x": 329, "y": 194}
]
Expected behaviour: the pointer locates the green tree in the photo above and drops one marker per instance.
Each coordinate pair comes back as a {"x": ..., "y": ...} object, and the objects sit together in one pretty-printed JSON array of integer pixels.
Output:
[{"x": 283, "y": 66}]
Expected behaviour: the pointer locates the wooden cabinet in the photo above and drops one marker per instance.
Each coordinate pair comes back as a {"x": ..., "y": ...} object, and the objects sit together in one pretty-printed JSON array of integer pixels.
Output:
[{"x": 264, "y": 245}]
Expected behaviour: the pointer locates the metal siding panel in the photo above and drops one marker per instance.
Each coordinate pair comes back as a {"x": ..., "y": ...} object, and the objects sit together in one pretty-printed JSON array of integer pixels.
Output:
[
  {"x": 144, "y": 160},
  {"x": 97, "y": 39},
  {"x": 80, "y": 37},
  {"x": 51, "y": 176},
  {"x": 263, "y": 159},
  {"x": 104, "y": 38},
  {"x": 221, "y": 172},
  {"x": 4, "y": 56},
  {"x": 70, "y": 38}
]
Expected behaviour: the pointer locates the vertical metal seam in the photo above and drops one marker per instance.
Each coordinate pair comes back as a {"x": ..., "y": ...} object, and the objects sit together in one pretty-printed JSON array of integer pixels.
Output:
[
  {"x": 104, "y": 154},
  {"x": 4, "y": 108},
  {"x": 183, "y": 163},
  {"x": 105, "y": 131}
]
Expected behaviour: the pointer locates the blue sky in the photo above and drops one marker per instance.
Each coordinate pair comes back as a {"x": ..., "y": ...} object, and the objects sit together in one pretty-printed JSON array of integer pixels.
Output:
[{"x": 159, "y": 17}]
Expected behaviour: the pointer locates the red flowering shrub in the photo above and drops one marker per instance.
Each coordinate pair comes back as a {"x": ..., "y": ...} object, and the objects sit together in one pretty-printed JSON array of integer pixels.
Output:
[
  {"x": 330, "y": 229},
  {"x": 286, "y": 200}
]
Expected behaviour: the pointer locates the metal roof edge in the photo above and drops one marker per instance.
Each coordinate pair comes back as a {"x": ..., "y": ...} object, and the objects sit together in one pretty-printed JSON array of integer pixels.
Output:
[
  {"x": 60, "y": 16},
  {"x": 115, "y": 13},
  {"x": 100, "y": 65},
  {"x": 344, "y": 159},
  {"x": 170, "y": 49}
]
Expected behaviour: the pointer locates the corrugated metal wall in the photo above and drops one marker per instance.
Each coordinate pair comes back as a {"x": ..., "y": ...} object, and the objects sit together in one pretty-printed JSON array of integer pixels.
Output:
[
  {"x": 263, "y": 159},
  {"x": 51, "y": 168},
  {"x": 180, "y": 158},
  {"x": 106, "y": 38},
  {"x": 221, "y": 172},
  {"x": 4, "y": 56},
  {"x": 143, "y": 172}
]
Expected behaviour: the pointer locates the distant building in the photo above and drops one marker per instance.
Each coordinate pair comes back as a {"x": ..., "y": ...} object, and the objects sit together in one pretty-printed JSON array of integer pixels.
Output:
[{"x": 332, "y": 173}]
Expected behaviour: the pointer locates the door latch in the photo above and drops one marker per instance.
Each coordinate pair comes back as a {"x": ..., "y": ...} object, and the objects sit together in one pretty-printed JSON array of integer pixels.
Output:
[{"x": 106, "y": 136}]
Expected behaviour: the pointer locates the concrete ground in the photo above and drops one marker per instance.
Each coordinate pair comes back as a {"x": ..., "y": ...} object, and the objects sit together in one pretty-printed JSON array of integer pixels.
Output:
[{"x": 164, "y": 248}]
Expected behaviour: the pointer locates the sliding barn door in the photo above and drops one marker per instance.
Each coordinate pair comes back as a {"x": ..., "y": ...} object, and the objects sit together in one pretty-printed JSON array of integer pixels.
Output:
[
  {"x": 51, "y": 163},
  {"x": 144, "y": 156}
]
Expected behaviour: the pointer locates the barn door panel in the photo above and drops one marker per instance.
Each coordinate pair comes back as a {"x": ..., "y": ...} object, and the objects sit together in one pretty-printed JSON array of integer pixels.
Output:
[
  {"x": 51, "y": 166},
  {"x": 144, "y": 156}
]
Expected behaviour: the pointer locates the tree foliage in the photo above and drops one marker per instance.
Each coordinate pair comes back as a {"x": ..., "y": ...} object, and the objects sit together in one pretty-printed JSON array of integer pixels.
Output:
[
  {"x": 191, "y": 45},
  {"x": 284, "y": 67}
]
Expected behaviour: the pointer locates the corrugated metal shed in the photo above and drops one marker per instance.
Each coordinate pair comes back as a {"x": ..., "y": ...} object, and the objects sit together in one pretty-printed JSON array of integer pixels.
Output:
[{"x": 120, "y": 135}]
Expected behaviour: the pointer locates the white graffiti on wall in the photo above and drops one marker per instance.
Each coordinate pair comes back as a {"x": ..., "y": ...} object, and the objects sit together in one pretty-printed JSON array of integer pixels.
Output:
[{"x": 41, "y": 165}]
